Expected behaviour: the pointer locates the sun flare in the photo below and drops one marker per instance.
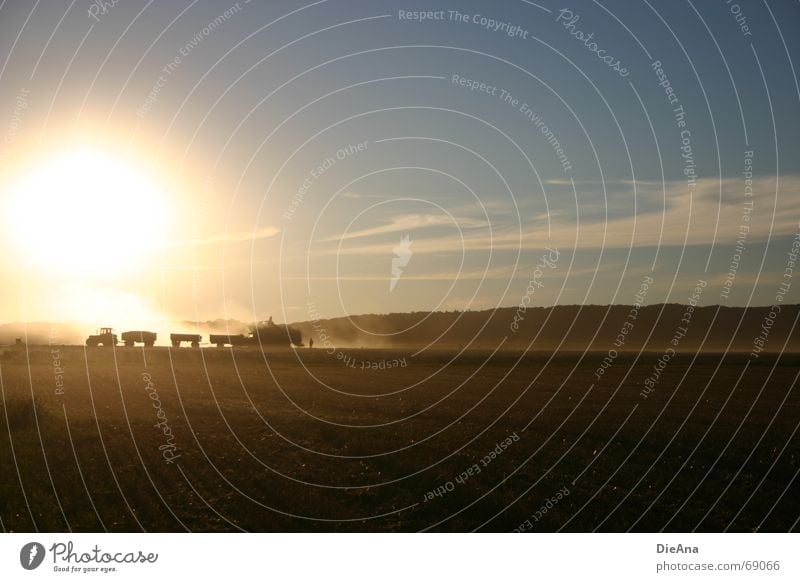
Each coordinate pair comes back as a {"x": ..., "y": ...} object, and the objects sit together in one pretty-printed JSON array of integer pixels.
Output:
[{"x": 87, "y": 212}]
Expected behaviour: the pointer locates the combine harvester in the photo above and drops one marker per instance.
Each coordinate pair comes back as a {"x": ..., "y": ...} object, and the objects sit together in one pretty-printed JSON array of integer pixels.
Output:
[{"x": 264, "y": 334}]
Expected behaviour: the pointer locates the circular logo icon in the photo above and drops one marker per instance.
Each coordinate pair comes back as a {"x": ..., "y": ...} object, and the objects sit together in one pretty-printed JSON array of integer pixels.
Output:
[{"x": 31, "y": 555}]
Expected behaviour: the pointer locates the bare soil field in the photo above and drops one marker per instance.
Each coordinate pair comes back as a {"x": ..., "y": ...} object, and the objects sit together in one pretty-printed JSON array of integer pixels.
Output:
[{"x": 160, "y": 439}]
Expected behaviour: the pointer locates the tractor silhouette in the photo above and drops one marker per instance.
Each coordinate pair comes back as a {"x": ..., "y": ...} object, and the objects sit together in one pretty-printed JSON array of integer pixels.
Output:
[{"x": 104, "y": 338}]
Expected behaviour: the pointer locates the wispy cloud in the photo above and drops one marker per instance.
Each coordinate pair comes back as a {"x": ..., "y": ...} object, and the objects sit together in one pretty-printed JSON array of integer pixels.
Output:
[
  {"x": 712, "y": 212},
  {"x": 229, "y": 238},
  {"x": 407, "y": 223},
  {"x": 351, "y": 194}
]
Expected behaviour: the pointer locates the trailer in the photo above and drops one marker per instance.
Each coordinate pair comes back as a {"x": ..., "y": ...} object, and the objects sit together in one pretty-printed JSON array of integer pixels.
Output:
[
  {"x": 193, "y": 338},
  {"x": 130, "y": 338},
  {"x": 262, "y": 334},
  {"x": 222, "y": 340}
]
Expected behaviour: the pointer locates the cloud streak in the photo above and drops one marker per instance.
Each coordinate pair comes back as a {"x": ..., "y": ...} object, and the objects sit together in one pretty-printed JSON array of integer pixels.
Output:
[
  {"x": 712, "y": 213},
  {"x": 229, "y": 238}
]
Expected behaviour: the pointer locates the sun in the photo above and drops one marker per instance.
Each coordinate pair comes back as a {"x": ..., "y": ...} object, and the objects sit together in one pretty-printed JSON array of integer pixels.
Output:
[{"x": 87, "y": 212}]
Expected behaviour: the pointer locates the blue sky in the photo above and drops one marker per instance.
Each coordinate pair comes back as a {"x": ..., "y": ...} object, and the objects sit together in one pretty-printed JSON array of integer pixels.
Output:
[{"x": 260, "y": 110}]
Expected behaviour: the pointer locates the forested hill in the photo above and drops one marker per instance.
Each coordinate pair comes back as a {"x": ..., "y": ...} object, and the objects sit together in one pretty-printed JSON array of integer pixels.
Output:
[{"x": 571, "y": 327}]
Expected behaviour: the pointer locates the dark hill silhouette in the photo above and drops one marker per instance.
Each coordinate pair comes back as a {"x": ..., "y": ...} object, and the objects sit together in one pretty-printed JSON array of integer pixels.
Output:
[
  {"x": 572, "y": 327},
  {"x": 568, "y": 327}
]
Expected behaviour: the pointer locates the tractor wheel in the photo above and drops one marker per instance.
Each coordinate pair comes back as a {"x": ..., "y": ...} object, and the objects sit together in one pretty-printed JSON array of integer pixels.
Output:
[
  {"x": 195, "y": 344},
  {"x": 220, "y": 345},
  {"x": 128, "y": 343},
  {"x": 149, "y": 344},
  {"x": 176, "y": 344}
]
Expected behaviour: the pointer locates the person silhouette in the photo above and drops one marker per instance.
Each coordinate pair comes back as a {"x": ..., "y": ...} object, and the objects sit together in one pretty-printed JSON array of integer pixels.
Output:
[{"x": 310, "y": 343}]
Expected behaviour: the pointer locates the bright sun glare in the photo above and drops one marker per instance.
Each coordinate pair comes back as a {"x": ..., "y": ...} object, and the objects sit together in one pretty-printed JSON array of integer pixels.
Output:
[{"x": 87, "y": 212}]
